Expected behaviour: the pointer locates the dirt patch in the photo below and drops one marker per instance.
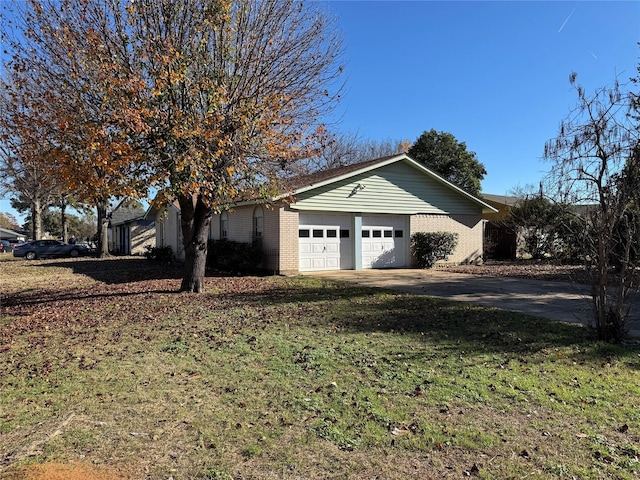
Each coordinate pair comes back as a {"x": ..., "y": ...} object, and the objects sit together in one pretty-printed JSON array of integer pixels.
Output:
[{"x": 61, "y": 471}]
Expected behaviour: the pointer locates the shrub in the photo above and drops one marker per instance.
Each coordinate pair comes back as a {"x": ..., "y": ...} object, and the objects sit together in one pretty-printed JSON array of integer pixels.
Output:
[
  {"x": 230, "y": 256},
  {"x": 159, "y": 254},
  {"x": 429, "y": 247}
]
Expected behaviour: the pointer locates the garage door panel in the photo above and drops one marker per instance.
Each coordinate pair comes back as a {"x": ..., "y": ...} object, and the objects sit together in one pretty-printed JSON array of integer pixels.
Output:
[
  {"x": 383, "y": 244},
  {"x": 319, "y": 263},
  {"x": 327, "y": 246},
  {"x": 305, "y": 264},
  {"x": 305, "y": 248}
]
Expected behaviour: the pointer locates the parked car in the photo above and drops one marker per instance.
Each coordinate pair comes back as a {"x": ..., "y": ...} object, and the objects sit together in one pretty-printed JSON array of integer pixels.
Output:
[
  {"x": 48, "y": 248},
  {"x": 5, "y": 246}
]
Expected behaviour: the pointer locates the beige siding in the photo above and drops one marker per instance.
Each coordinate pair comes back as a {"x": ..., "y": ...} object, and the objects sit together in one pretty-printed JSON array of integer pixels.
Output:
[
  {"x": 469, "y": 230},
  {"x": 169, "y": 233},
  {"x": 411, "y": 191},
  {"x": 141, "y": 237}
]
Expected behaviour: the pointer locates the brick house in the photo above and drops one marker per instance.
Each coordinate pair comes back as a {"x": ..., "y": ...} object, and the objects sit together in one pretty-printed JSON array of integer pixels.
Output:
[{"x": 353, "y": 217}]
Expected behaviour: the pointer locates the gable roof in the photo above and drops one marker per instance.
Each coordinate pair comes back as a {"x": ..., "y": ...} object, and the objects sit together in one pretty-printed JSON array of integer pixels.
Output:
[
  {"x": 127, "y": 211},
  {"x": 293, "y": 186},
  {"x": 304, "y": 183}
]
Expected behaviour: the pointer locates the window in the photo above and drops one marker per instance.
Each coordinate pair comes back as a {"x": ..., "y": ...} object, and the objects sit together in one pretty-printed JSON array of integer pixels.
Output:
[
  {"x": 365, "y": 233},
  {"x": 377, "y": 234},
  {"x": 398, "y": 233},
  {"x": 344, "y": 233},
  {"x": 224, "y": 224},
  {"x": 318, "y": 233},
  {"x": 303, "y": 233},
  {"x": 388, "y": 234},
  {"x": 332, "y": 234},
  {"x": 258, "y": 223}
]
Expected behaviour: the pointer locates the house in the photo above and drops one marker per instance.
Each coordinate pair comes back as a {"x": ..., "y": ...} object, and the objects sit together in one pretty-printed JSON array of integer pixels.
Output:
[
  {"x": 353, "y": 217},
  {"x": 12, "y": 235},
  {"x": 130, "y": 231},
  {"x": 168, "y": 232}
]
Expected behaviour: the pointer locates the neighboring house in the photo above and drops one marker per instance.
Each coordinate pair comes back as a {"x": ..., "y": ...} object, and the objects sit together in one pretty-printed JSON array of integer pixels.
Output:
[
  {"x": 130, "y": 231},
  {"x": 500, "y": 240},
  {"x": 168, "y": 232},
  {"x": 12, "y": 236},
  {"x": 354, "y": 217}
]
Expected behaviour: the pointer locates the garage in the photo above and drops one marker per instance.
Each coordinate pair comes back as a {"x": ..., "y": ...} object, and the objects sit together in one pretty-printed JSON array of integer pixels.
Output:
[
  {"x": 351, "y": 217},
  {"x": 325, "y": 242},
  {"x": 384, "y": 243}
]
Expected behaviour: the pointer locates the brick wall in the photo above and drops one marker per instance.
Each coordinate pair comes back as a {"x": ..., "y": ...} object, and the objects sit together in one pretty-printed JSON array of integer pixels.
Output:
[
  {"x": 289, "y": 256},
  {"x": 468, "y": 227},
  {"x": 240, "y": 229},
  {"x": 270, "y": 238}
]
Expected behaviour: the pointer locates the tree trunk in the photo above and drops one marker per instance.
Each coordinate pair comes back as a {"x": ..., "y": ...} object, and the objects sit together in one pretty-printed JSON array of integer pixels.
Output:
[
  {"x": 103, "y": 226},
  {"x": 36, "y": 219},
  {"x": 64, "y": 222},
  {"x": 195, "y": 220}
]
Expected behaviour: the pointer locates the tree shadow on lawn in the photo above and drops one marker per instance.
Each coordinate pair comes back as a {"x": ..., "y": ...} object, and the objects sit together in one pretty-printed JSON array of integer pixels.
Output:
[
  {"x": 352, "y": 309},
  {"x": 115, "y": 270},
  {"x": 118, "y": 270},
  {"x": 346, "y": 307}
]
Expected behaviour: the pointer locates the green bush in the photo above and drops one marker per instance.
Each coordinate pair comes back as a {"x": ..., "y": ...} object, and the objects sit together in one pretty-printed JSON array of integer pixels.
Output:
[
  {"x": 159, "y": 254},
  {"x": 230, "y": 256},
  {"x": 429, "y": 247}
]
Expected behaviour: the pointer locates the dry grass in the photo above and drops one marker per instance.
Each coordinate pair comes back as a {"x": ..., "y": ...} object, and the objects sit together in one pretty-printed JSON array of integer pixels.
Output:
[{"x": 105, "y": 370}]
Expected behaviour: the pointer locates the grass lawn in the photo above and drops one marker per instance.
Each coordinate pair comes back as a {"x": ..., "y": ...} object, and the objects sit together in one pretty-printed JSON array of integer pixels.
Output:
[{"x": 103, "y": 365}]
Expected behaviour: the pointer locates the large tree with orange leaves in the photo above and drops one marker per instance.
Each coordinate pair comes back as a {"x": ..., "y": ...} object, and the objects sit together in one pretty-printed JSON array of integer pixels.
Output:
[{"x": 200, "y": 99}]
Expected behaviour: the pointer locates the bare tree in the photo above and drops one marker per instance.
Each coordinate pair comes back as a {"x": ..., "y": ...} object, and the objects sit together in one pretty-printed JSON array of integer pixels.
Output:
[
  {"x": 594, "y": 159},
  {"x": 337, "y": 149}
]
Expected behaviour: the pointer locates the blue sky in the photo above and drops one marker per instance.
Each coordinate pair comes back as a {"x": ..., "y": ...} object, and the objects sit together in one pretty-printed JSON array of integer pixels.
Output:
[{"x": 493, "y": 74}]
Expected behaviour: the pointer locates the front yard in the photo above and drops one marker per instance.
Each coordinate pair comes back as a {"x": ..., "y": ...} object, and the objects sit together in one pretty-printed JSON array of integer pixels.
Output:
[{"x": 105, "y": 369}]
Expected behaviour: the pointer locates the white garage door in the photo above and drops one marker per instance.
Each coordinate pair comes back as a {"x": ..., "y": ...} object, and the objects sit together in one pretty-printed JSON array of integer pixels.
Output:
[
  {"x": 383, "y": 241},
  {"x": 324, "y": 242}
]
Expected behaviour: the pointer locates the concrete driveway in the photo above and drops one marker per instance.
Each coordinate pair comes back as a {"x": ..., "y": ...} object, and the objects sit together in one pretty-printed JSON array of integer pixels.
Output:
[{"x": 565, "y": 302}]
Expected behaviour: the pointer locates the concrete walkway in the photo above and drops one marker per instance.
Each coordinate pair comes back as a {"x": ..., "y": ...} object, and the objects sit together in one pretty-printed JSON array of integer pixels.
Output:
[{"x": 565, "y": 302}]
